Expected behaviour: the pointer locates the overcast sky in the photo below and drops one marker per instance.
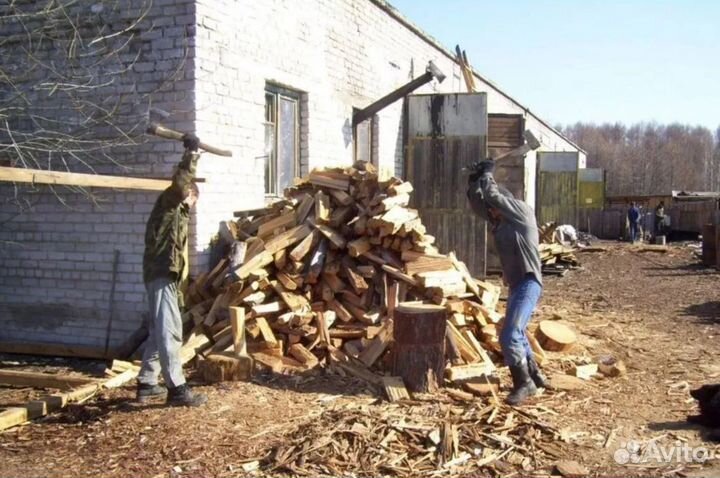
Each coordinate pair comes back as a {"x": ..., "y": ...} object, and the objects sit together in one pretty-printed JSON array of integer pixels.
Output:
[{"x": 580, "y": 60}]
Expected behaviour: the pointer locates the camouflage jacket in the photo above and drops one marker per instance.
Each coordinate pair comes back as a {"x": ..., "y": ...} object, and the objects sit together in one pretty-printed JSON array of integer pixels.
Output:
[{"x": 166, "y": 233}]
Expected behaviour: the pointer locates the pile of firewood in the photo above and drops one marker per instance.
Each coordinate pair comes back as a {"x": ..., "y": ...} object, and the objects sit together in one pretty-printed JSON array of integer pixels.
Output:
[
  {"x": 556, "y": 258},
  {"x": 314, "y": 279}
]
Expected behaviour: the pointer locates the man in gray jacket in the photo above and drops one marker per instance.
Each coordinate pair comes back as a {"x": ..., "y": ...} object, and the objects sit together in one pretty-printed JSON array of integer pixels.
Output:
[{"x": 516, "y": 238}]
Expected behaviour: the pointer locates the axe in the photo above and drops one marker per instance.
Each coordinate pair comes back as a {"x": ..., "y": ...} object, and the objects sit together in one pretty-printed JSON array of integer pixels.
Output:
[
  {"x": 157, "y": 129},
  {"x": 531, "y": 143}
]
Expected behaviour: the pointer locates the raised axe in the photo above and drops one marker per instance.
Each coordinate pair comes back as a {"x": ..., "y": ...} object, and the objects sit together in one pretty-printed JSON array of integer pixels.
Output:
[
  {"x": 531, "y": 144},
  {"x": 431, "y": 72},
  {"x": 156, "y": 129}
]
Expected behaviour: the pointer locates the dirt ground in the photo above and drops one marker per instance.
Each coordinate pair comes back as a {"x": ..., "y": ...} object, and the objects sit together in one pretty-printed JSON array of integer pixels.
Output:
[{"x": 659, "y": 313}]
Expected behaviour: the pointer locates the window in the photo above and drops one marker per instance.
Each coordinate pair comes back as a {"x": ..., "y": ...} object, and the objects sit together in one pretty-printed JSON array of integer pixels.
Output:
[
  {"x": 366, "y": 140},
  {"x": 282, "y": 118}
]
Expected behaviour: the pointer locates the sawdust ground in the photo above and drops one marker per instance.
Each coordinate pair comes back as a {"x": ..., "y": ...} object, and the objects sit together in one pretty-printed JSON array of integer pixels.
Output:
[{"x": 659, "y": 313}]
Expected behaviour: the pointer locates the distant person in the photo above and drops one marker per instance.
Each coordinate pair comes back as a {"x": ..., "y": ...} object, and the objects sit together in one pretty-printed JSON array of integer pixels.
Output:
[
  {"x": 516, "y": 238},
  {"x": 633, "y": 216},
  {"x": 660, "y": 219}
]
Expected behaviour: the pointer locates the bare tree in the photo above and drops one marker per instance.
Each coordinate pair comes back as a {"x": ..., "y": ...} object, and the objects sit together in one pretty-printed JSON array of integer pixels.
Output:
[
  {"x": 647, "y": 158},
  {"x": 70, "y": 91}
]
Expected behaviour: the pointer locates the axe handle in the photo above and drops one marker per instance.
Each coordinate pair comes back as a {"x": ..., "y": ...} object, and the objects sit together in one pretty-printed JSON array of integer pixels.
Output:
[
  {"x": 167, "y": 133},
  {"x": 519, "y": 151}
]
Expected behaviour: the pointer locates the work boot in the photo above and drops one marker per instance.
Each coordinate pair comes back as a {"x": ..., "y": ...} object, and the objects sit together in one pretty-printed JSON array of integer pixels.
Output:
[
  {"x": 536, "y": 374},
  {"x": 523, "y": 385},
  {"x": 146, "y": 392},
  {"x": 182, "y": 397}
]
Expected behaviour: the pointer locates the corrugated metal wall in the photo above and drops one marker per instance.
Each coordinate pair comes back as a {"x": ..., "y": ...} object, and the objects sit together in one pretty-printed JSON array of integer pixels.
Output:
[
  {"x": 591, "y": 195},
  {"x": 557, "y": 192}
]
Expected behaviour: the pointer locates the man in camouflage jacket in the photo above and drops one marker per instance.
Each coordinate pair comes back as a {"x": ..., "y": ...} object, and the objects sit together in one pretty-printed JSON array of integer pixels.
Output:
[{"x": 166, "y": 237}]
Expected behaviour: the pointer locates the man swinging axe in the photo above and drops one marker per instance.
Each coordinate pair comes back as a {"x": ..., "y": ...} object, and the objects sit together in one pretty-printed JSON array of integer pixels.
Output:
[
  {"x": 166, "y": 236},
  {"x": 516, "y": 238}
]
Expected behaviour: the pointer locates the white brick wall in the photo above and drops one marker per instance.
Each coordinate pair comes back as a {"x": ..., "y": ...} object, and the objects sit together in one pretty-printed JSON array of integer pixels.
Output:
[
  {"x": 55, "y": 259},
  {"x": 55, "y": 262}
]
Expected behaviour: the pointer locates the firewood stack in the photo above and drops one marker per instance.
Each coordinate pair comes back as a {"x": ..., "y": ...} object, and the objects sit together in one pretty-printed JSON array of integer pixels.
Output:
[
  {"x": 556, "y": 258},
  {"x": 317, "y": 276}
]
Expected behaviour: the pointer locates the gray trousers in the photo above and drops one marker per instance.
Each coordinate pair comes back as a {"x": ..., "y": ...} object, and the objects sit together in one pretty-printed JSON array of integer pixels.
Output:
[{"x": 162, "y": 348}]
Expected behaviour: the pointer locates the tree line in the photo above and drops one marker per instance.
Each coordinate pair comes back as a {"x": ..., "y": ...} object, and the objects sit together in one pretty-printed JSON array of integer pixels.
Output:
[{"x": 650, "y": 158}]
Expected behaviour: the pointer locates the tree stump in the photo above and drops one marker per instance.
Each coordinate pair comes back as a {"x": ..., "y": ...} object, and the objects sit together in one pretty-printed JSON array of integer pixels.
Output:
[
  {"x": 419, "y": 350},
  {"x": 224, "y": 366}
]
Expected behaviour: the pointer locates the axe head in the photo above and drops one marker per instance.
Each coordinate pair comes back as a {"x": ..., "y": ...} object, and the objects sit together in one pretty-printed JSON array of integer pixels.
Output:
[
  {"x": 531, "y": 140},
  {"x": 156, "y": 114},
  {"x": 435, "y": 72}
]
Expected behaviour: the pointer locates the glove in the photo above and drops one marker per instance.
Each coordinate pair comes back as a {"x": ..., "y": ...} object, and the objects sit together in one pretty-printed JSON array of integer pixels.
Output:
[
  {"x": 484, "y": 166},
  {"x": 190, "y": 141},
  {"x": 480, "y": 167}
]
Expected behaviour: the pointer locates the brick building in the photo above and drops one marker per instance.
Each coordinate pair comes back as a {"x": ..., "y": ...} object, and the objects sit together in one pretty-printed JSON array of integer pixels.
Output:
[{"x": 275, "y": 81}]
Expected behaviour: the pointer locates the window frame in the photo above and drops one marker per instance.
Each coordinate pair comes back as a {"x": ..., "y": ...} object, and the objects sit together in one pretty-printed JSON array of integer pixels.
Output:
[
  {"x": 373, "y": 129},
  {"x": 272, "y": 119}
]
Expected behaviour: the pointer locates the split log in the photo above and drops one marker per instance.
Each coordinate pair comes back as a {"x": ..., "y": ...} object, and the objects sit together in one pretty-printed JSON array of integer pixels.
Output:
[
  {"x": 395, "y": 389},
  {"x": 377, "y": 345},
  {"x": 419, "y": 350},
  {"x": 303, "y": 355}
]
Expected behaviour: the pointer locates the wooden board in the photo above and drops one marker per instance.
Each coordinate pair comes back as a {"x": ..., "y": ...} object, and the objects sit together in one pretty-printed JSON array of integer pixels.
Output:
[
  {"x": 51, "y": 403},
  {"x": 19, "y": 378},
  {"x": 52, "y": 350},
  {"x": 395, "y": 388},
  {"x": 59, "y": 178},
  {"x": 463, "y": 372},
  {"x": 434, "y": 166}
]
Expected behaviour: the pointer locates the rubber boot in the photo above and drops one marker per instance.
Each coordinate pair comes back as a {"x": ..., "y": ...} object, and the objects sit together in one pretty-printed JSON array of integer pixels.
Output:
[
  {"x": 147, "y": 392},
  {"x": 182, "y": 397},
  {"x": 523, "y": 385},
  {"x": 536, "y": 374}
]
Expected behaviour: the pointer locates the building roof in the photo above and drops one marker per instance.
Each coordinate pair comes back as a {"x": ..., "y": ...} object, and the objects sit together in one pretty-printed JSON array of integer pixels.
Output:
[{"x": 403, "y": 20}]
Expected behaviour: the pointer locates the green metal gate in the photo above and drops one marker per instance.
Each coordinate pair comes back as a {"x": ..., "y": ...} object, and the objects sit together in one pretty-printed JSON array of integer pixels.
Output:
[{"x": 558, "y": 197}]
